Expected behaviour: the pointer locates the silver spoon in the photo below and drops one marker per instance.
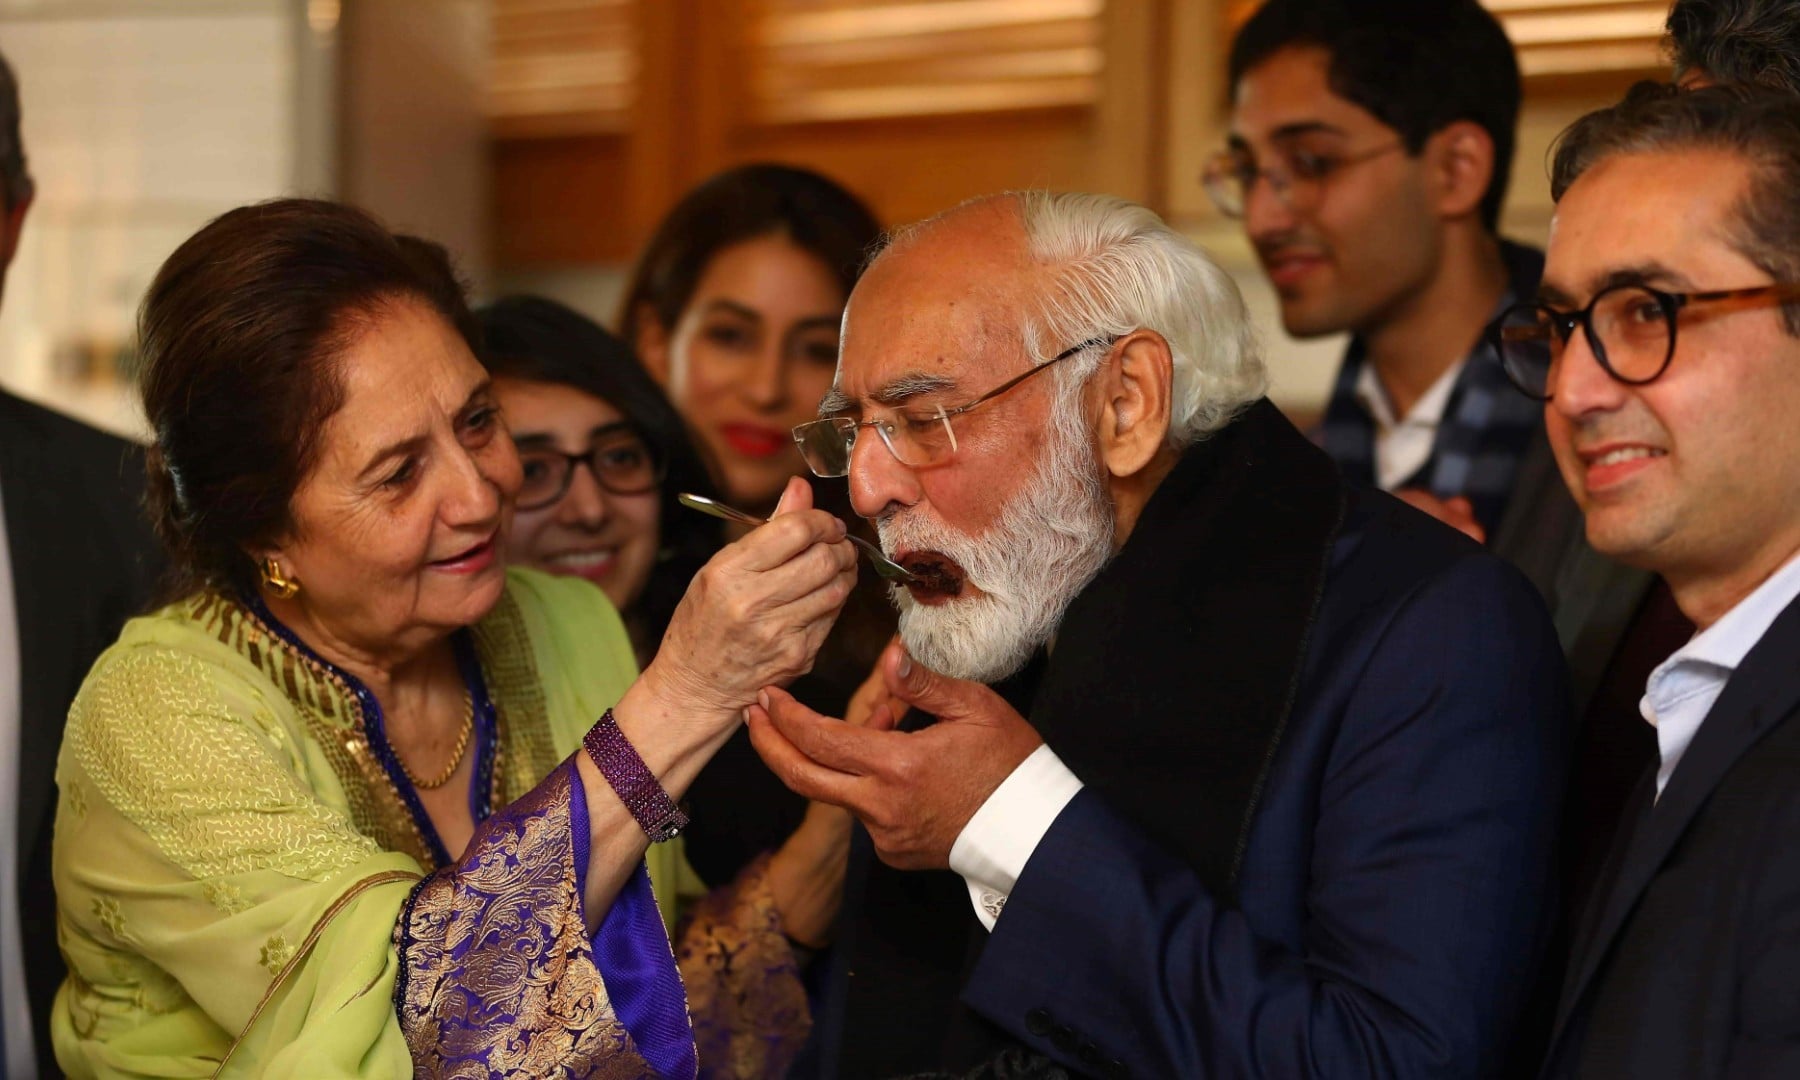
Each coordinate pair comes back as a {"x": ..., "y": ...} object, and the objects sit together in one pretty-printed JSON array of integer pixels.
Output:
[{"x": 884, "y": 566}]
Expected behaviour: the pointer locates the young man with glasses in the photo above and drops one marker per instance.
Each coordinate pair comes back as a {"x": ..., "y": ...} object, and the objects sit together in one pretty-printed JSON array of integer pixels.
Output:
[
  {"x": 1224, "y": 778},
  {"x": 1666, "y": 342},
  {"x": 1368, "y": 158}
]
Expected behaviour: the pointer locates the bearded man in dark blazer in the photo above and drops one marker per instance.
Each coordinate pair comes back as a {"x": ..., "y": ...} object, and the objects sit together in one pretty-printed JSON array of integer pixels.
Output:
[
  {"x": 78, "y": 560},
  {"x": 1269, "y": 783}
]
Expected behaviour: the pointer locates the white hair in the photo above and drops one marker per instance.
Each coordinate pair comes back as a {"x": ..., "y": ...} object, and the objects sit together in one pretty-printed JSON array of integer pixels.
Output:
[
  {"x": 1115, "y": 268},
  {"x": 1124, "y": 269},
  {"x": 1121, "y": 268}
]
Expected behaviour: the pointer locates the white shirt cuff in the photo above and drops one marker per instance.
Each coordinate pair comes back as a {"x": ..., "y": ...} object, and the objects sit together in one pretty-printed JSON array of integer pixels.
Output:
[{"x": 991, "y": 851}]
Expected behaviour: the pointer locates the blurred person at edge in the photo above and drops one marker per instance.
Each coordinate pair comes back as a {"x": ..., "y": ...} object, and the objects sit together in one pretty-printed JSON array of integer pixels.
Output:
[
  {"x": 734, "y": 308},
  {"x": 360, "y": 800},
  {"x": 604, "y": 454},
  {"x": 76, "y": 560},
  {"x": 1665, "y": 342}
]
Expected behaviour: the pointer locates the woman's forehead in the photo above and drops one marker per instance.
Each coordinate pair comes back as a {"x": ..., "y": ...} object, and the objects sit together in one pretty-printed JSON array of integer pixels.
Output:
[{"x": 406, "y": 370}]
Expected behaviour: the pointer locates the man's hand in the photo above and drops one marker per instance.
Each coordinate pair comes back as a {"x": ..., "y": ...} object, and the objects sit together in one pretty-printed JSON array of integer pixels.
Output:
[
  {"x": 913, "y": 791},
  {"x": 1457, "y": 512}
]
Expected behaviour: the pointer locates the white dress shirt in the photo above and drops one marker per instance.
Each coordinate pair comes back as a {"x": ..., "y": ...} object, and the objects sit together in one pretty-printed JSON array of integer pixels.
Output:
[
  {"x": 1684, "y": 687},
  {"x": 15, "y": 1004},
  {"x": 991, "y": 851},
  {"x": 1403, "y": 444}
]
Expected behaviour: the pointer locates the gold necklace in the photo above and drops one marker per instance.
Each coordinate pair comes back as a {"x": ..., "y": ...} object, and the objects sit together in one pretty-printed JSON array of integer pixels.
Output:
[{"x": 462, "y": 747}]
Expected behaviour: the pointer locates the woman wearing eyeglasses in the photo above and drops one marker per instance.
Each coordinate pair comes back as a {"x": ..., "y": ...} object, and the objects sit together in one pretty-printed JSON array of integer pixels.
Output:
[{"x": 604, "y": 454}]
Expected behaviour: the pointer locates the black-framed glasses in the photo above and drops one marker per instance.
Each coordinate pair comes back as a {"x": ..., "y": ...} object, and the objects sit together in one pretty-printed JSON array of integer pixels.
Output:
[
  {"x": 1630, "y": 330},
  {"x": 619, "y": 459},
  {"x": 916, "y": 442},
  {"x": 1297, "y": 178}
]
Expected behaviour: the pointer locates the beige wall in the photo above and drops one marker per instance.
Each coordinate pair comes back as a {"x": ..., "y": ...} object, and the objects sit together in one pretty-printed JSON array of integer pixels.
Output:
[{"x": 414, "y": 140}]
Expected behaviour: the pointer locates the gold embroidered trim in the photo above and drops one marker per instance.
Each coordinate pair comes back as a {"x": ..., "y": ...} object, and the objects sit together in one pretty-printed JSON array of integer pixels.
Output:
[
  {"x": 332, "y": 715},
  {"x": 747, "y": 1003},
  {"x": 525, "y": 752},
  {"x": 312, "y": 938},
  {"x": 541, "y": 971}
]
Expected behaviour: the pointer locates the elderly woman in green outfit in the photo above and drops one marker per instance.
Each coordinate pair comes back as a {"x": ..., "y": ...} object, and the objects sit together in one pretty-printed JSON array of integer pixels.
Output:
[{"x": 359, "y": 801}]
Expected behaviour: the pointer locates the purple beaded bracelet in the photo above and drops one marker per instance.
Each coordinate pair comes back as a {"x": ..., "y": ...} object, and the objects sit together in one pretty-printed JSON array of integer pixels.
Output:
[{"x": 632, "y": 781}]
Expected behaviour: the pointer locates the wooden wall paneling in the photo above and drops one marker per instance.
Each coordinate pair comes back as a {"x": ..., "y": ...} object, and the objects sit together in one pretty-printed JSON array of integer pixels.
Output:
[
  {"x": 1572, "y": 37},
  {"x": 562, "y": 67},
  {"x": 919, "y": 105},
  {"x": 563, "y": 201},
  {"x": 875, "y": 59},
  {"x": 911, "y": 168},
  {"x": 656, "y": 166},
  {"x": 1197, "y": 47},
  {"x": 1129, "y": 144},
  {"x": 717, "y": 84},
  {"x": 916, "y": 104}
]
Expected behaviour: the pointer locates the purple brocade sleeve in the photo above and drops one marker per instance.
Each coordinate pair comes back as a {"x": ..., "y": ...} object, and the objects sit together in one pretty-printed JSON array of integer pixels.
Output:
[
  {"x": 744, "y": 991},
  {"x": 498, "y": 976}
]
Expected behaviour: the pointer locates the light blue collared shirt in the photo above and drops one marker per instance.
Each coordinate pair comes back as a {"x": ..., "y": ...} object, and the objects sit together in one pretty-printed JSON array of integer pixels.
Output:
[{"x": 1684, "y": 687}]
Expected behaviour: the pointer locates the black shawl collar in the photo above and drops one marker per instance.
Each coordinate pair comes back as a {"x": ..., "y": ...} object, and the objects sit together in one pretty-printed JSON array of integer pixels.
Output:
[{"x": 1174, "y": 670}]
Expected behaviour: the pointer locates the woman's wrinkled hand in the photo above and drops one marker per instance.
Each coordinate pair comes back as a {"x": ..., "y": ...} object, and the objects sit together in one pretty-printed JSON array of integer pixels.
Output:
[{"x": 756, "y": 614}]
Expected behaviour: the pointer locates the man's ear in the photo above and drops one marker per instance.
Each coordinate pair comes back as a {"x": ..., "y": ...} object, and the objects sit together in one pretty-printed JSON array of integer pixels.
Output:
[
  {"x": 652, "y": 344},
  {"x": 1136, "y": 385},
  {"x": 1461, "y": 162}
]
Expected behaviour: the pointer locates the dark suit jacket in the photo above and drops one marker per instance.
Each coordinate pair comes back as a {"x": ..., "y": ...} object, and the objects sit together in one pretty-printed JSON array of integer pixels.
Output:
[
  {"x": 1393, "y": 899},
  {"x": 1592, "y": 599},
  {"x": 82, "y": 564},
  {"x": 1689, "y": 964}
]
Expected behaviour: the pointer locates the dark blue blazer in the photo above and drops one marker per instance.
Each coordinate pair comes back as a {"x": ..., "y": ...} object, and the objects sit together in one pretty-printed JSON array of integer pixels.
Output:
[{"x": 1393, "y": 888}]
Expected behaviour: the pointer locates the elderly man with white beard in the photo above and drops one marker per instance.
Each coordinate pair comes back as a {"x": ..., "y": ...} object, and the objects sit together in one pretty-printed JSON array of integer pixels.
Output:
[{"x": 1191, "y": 761}]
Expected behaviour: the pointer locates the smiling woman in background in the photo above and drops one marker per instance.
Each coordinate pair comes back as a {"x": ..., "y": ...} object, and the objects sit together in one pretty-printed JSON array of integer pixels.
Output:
[
  {"x": 734, "y": 307},
  {"x": 604, "y": 454},
  {"x": 360, "y": 801}
]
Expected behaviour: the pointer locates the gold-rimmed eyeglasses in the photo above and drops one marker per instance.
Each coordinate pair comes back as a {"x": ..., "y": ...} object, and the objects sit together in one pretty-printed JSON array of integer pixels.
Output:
[{"x": 915, "y": 441}]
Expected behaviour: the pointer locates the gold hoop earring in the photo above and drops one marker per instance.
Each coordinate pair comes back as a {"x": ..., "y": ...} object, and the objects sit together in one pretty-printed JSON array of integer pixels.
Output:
[{"x": 284, "y": 588}]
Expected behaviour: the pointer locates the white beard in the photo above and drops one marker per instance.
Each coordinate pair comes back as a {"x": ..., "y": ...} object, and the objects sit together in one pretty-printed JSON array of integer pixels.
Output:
[{"x": 1049, "y": 543}]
